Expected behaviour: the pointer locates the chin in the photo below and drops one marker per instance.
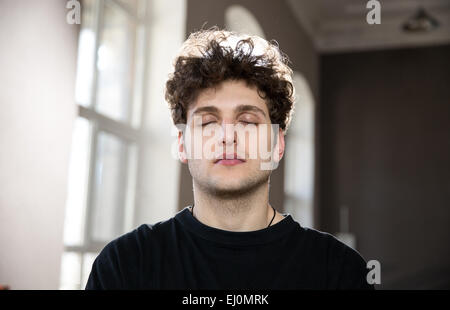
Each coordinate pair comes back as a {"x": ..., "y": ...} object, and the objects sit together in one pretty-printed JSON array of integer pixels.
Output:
[
  {"x": 230, "y": 187},
  {"x": 227, "y": 184},
  {"x": 228, "y": 191}
]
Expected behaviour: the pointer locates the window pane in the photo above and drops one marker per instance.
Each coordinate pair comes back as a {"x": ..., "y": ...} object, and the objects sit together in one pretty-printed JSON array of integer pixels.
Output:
[
  {"x": 70, "y": 271},
  {"x": 86, "y": 53},
  {"x": 115, "y": 63},
  {"x": 303, "y": 122},
  {"x": 77, "y": 183},
  {"x": 299, "y": 177},
  {"x": 299, "y": 155},
  {"x": 88, "y": 260},
  {"x": 109, "y": 188},
  {"x": 131, "y": 5},
  {"x": 129, "y": 210}
]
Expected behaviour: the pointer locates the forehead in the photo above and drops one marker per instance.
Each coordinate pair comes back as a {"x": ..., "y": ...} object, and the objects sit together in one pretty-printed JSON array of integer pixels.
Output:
[{"x": 227, "y": 96}]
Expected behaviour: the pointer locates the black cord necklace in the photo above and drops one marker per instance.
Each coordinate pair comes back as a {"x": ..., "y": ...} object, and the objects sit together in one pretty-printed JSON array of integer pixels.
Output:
[{"x": 274, "y": 213}]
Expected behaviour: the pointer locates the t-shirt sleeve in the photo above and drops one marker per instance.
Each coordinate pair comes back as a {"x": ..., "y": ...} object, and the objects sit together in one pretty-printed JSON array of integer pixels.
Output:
[
  {"x": 118, "y": 265},
  {"x": 346, "y": 268},
  {"x": 105, "y": 272},
  {"x": 354, "y": 271}
]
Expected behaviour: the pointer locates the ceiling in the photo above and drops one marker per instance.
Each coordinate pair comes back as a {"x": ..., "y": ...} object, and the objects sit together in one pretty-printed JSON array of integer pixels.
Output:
[{"x": 340, "y": 25}]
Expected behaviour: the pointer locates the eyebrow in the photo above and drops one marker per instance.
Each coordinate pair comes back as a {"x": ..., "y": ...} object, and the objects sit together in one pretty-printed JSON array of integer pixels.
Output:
[
  {"x": 251, "y": 108},
  {"x": 237, "y": 110}
]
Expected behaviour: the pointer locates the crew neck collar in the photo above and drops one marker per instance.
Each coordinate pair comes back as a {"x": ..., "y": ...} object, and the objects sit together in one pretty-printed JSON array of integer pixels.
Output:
[{"x": 265, "y": 235}]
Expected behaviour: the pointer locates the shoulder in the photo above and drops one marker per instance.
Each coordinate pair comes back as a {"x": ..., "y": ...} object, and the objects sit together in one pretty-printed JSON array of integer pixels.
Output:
[
  {"x": 128, "y": 242},
  {"x": 346, "y": 267},
  {"x": 121, "y": 262},
  {"x": 137, "y": 241}
]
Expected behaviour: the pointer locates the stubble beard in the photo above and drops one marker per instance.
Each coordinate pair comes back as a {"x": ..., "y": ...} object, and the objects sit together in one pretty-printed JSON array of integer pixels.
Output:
[{"x": 215, "y": 188}]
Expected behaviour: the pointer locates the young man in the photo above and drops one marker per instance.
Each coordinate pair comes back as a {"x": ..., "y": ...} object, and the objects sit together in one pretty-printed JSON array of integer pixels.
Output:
[{"x": 230, "y": 95}]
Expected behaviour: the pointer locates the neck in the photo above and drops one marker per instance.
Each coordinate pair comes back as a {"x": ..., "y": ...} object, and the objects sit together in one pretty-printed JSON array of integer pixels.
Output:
[{"x": 246, "y": 212}]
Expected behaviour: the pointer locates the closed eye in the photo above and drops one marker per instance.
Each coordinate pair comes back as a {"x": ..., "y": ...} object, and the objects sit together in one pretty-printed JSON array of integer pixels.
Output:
[
  {"x": 204, "y": 124},
  {"x": 247, "y": 123}
]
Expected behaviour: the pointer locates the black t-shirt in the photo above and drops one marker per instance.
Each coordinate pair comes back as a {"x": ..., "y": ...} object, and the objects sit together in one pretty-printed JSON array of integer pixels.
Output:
[{"x": 183, "y": 253}]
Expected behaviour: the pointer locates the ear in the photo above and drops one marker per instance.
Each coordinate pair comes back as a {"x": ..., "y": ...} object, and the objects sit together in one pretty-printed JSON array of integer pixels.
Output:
[
  {"x": 279, "y": 147},
  {"x": 181, "y": 148}
]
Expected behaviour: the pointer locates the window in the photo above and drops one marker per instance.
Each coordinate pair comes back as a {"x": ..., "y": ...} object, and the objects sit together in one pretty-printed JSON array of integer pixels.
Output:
[
  {"x": 241, "y": 20},
  {"x": 106, "y": 136},
  {"x": 299, "y": 156}
]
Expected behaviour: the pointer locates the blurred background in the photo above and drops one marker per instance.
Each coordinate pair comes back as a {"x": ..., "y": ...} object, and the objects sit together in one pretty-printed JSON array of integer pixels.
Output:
[{"x": 86, "y": 136}]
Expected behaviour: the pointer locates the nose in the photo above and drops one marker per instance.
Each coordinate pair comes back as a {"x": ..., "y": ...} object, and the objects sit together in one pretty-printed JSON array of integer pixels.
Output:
[{"x": 228, "y": 134}]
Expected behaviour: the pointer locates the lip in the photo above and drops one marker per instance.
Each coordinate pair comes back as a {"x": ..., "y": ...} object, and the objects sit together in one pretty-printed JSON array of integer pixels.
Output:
[{"x": 230, "y": 160}]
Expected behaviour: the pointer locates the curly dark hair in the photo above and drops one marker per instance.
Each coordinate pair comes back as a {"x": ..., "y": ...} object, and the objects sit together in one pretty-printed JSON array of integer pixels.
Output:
[{"x": 209, "y": 57}]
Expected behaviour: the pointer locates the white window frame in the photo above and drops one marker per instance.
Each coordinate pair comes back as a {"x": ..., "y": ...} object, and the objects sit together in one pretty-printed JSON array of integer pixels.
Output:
[{"x": 127, "y": 131}]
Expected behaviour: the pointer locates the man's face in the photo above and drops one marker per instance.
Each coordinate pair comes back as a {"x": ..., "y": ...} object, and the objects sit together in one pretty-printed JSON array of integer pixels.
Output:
[{"x": 228, "y": 139}]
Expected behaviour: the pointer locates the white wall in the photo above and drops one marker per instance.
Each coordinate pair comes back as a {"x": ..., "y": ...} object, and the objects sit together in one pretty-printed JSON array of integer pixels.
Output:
[{"x": 37, "y": 78}]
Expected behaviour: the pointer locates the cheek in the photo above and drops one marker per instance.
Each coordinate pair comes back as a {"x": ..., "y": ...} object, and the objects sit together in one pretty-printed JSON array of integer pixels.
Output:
[
  {"x": 258, "y": 144},
  {"x": 266, "y": 138},
  {"x": 211, "y": 143},
  {"x": 199, "y": 145}
]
